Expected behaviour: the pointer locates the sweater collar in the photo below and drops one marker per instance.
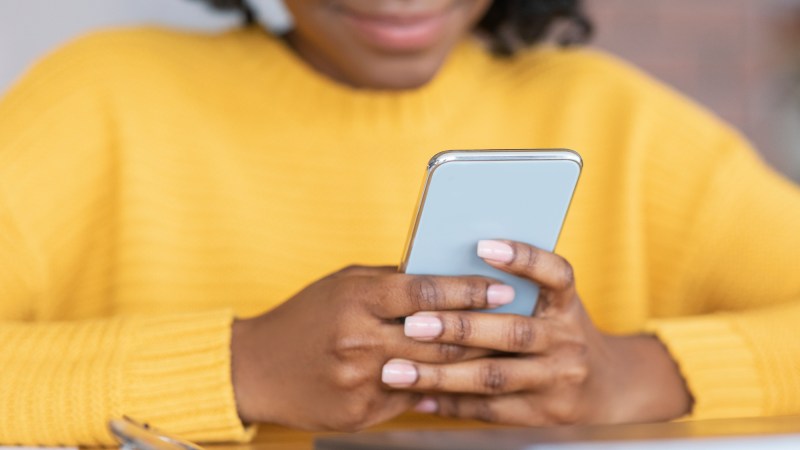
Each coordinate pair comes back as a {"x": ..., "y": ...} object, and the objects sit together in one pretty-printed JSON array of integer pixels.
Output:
[{"x": 286, "y": 77}]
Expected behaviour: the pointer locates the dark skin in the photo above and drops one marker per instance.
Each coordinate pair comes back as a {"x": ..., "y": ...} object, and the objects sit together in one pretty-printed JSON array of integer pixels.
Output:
[
  {"x": 326, "y": 37},
  {"x": 315, "y": 361},
  {"x": 556, "y": 367},
  {"x": 320, "y": 360}
]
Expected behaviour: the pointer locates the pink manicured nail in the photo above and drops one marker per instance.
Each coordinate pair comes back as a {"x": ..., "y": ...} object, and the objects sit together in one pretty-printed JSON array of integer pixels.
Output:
[
  {"x": 498, "y": 294},
  {"x": 427, "y": 405},
  {"x": 495, "y": 251},
  {"x": 399, "y": 374},
  {"x": 422, "y": 326}
]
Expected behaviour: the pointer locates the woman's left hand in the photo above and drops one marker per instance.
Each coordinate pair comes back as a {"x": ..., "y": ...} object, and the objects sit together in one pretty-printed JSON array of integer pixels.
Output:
[{"x": 555, "y": 367}]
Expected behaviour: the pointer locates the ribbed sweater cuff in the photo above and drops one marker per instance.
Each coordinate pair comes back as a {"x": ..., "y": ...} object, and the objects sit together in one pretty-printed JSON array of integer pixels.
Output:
[
  {"x": 717, "y": 363},
  {"x": 178, "y": 377}
]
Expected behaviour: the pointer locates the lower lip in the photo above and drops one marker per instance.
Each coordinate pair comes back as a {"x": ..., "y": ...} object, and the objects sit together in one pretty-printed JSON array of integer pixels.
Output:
[{"x": 408, "y": 35}]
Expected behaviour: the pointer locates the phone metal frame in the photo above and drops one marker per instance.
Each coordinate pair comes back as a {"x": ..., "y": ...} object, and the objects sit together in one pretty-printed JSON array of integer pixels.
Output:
[{"x": 441, "y": 158}]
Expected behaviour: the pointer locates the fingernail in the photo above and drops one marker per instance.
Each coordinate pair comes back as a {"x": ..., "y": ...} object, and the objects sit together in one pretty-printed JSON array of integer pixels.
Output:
[
  {"x": 422, "y": 326},
  {"x": 495, "y": 251},
  {"x": 399, "y": 374},
  {"x": 498, "y": 294},
  {"x": 427, "y": 405}
]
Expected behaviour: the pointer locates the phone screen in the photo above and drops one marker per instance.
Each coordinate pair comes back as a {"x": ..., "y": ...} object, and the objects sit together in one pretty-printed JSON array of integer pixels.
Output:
[{"x": 490, "y": 194}]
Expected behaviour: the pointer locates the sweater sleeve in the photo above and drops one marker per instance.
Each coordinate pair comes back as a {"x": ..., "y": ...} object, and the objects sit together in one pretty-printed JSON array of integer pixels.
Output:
[
  {"x": 69, "y": 363},
  {"x": 743, "y": 357},
  {"x": 62, "y": 381}
]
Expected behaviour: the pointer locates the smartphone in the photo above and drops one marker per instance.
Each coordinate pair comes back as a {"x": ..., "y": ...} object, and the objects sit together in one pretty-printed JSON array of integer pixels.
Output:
[{"x": 469, "y": 195}]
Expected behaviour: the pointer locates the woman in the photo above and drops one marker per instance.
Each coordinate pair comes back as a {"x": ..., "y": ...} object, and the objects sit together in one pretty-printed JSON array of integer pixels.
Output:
[{"x": 169, "y": 199}]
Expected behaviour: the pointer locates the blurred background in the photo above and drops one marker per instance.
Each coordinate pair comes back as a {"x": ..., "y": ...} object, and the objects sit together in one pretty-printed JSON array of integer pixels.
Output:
[{"x": 740, "y": 58}]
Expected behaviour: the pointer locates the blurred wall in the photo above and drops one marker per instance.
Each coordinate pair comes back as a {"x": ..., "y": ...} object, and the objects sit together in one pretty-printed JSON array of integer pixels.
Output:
[
  {"x": 741, "y": 58},
  {"x": 31, "y": 28}
]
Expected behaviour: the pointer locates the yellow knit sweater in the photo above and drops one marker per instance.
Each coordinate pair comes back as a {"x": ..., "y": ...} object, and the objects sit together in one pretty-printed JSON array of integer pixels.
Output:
[{"x": 154, "y": 184}]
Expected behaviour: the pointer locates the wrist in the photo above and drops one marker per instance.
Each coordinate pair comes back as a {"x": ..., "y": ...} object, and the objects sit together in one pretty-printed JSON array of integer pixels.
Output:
[
  {"x": 651, "y": 387},
  {"x": 245, "y": 382}
]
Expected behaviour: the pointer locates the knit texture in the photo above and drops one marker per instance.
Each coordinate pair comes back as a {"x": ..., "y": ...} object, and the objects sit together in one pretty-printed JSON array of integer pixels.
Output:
[{"x": 156, "y": 184}]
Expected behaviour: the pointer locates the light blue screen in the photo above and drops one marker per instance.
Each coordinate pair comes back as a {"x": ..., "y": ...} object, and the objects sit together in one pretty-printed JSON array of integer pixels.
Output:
[{"x": 468, "y": 201}]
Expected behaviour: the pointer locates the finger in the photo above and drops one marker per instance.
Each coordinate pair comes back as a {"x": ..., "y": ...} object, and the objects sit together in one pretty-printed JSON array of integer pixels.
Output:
[
  {"x": 401, "y": 295},
  {"x": 501, "y": 332},
  {"x": 545, "y": 268},
  {"x": 399, "y": 346},
  {"x": 511, "y": 409},
  {"x": 548, "y": 270},
  {"x": 479, "y": 376}
]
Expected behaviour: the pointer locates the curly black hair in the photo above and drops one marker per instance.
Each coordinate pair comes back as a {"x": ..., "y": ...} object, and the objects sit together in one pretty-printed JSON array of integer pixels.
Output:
[
  {"x": 511, "y": 24},
  {"x": 508, "y": 24}
]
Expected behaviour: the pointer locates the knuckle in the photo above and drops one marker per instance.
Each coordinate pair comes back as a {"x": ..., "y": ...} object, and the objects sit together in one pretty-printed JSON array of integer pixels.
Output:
[
  {"x": 578, "y": 349},
  {"x": 545, "y": 300},
  {"x": 492, "y": 378},
  {"x": 449, "y": 407},
  {"x": 521, "y": 334},
  {"x": 567, "y": 277},
  {"x": 425, "y": 293},
  {"x": 565, "y": 412},
  {"x": 349, "y": 376},
  {"x": 347, "y": 289},
  {"x": 347, "y": 347},
  {"x": 475, "y": 293},
  {"x": 453, "y": 406},
  {"x": 577, "y": 373},
  {"x": 484, "y": 411},
  {"x": 525, "y": 256},
  {"x": 433, "y": 379},
  {"x": 451, "y": 352},
  {"x": 461, "y": 328},
  {"x": 574, "y": 371}
]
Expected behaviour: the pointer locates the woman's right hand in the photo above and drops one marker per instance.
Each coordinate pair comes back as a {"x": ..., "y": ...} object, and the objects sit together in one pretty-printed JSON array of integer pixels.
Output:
[{"x": 315, "y": 361}]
